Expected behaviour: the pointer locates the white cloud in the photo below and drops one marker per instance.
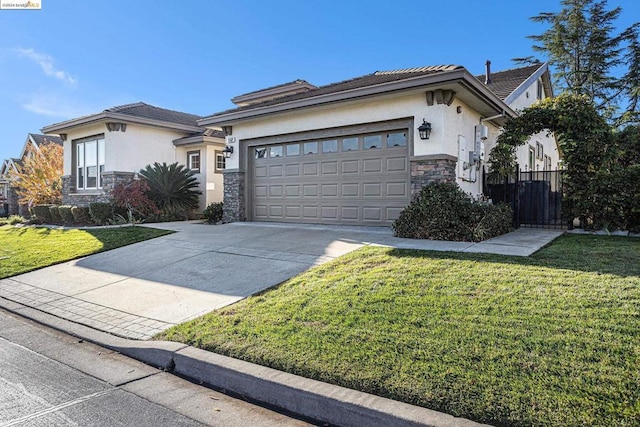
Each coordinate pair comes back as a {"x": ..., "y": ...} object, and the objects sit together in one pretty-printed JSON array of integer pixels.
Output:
[
  {"x": 46, "y": 64},
  {"x": 54, "y": 106}
]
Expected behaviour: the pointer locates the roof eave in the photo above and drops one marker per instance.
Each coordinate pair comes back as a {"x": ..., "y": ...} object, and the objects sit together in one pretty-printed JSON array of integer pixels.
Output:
[
  {"x": 107, "y": 115},
  {"x": 198, "y": 139}
]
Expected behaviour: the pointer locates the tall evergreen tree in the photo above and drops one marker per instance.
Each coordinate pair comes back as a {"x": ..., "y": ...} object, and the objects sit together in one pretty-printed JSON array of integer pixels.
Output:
[{"x": 586, "y": 53}]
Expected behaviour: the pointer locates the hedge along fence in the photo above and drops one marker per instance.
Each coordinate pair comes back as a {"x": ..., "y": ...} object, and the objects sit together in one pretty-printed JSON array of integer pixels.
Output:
[{"x": 601, "y": 178}]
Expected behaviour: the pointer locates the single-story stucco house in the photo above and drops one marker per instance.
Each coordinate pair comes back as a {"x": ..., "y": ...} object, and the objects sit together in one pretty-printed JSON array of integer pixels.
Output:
[
  {"x": 8, "y": 193},
  {"x": 103, "y": 149},
  {"x": 354, "y": 152}
]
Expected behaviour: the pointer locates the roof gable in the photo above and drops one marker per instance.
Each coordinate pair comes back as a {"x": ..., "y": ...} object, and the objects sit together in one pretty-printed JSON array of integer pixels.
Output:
[{"x": 506, "y": 82}]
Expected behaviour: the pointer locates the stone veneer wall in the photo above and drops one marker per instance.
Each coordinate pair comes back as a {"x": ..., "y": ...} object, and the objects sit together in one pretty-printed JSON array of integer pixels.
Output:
[
  {"x": 233, "y": 199},
  {"x": 426, "y": 171},
  {"x": 84, "y": 198},
  {"x": 12, "y": 200}
]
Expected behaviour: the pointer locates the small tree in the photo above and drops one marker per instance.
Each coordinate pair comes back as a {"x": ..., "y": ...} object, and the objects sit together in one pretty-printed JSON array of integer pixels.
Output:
[
  {"x": 172, "y": 188},
  {"x": 38, "y": 180}
]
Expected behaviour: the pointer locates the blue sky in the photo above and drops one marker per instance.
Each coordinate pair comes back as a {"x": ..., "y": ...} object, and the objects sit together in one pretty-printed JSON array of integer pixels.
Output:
[{"x": 78, "y": 57}]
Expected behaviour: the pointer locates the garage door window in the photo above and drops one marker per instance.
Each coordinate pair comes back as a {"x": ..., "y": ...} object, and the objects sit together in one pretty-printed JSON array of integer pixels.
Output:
[
  {"x": 310, "y": 148},
  {"x": 261, "y": 152},
  {"x": 293, "y": 150},
  {"x": 276, "y": 151},
  {"x": 330, "y": 146},
  {"x": 396, "y": 139},
  {"x": 350, "y": 144},
  {"x": 373, "y": 141}
]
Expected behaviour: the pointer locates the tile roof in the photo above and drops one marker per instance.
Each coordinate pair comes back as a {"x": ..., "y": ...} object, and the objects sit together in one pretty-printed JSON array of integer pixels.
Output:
[
  {"x": 44, "y": 139},
  {"x": 373, "y": 79},
  {"x": 291, "y": 83},
  {"x": 503, "y": 83},
  {"x": 140, "y": 109}
]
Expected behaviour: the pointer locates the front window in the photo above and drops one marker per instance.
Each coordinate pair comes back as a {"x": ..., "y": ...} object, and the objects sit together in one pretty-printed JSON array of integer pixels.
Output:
[
  {"x": 220, "y": 162},
  {"x": 532, "y": 158},
  {"x": 193, "y": 160},
  {"x": 90, "y": 159}
]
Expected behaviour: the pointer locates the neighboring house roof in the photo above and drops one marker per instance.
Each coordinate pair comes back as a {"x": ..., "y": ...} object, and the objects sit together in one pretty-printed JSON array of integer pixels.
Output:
[
  {"x": 139, "y": 113},
  {"x": 45, "y": 139},
  {"x": 140, "y": 109},
  {"x": 497, "y": 95}
]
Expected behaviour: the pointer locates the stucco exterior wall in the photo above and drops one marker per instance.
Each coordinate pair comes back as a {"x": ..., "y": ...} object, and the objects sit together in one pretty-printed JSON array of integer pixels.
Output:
[
  {"x": 447, "y": 124},
  {"x": 211, "y": 182}
]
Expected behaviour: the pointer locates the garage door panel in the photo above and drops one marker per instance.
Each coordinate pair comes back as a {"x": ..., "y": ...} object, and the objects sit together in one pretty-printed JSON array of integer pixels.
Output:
[
  {"x": 372, "y": 165},
  {"x": 350, "y": 190},
  {"x": 329, "y": 168},
  {"x": 292, "y": 212},
  {"x": 372, "y": 189},
  {"x": 397, "y": 189},
  {"x": 330, "y": 212},
  {"x": 310, "y": 169},
  {"x": 292, "y": 190},
  {"x": 329, "y": 190},
  {"x": 371, "y": 214},
  {"x": 260, "y": 191},
  {"x": 350, "y": 166},
  {"x": 393, "y": 213},
  {"x": 293, "y": 170},
  {"x": 351, "y": 213},
  {"x": 275, "y": 191},
  {"x": 397, "y": 164},
  {"x": 260, "y": 211},
  {"x": 275, "y": 211},
  {"x": 310, "y": 212},
  {"x": 310, "y": 190},
  {"x": 260, "y": 172}
]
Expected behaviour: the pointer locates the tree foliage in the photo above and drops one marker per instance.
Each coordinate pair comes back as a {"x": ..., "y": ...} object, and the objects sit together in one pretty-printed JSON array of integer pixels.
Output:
[
  {"x": 602, "y": 165},
  {"x": 585, "y": 52},
  {"x": 172, "y": 188},
  {"x": 133, "y": 198},
  {"x": 38, "y": 180}
]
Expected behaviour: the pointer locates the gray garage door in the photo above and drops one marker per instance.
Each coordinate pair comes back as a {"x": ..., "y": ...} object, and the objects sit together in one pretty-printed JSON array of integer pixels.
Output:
[{"x": 361, "y": 180}]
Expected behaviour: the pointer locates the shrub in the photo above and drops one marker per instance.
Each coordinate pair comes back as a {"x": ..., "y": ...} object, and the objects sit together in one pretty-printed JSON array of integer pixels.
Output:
[
  {"x": 55, "y": 214},
  {"x": 65, "y": 214},
  {"x": 442, "y": 211},
  {"x": 213, "y": 213},
  {"x": 130, "y": 200},
  {"x": 80, "y": 214},
  {"x": 172, "y": 188},
  {"x": 13, "y": 220},
  {"x": 42, "y": 213},
  {"x": 100, "y": 212}
]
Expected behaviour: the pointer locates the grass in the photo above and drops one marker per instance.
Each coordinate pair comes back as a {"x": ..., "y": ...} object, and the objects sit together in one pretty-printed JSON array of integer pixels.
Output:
[
  {"x": 549, "y": 340},
  {"x": 23, "y": 249}
]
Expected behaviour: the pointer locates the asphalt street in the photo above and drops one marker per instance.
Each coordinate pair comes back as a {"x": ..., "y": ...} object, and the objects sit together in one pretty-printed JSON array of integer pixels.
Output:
[{"x": 48, "y": 378}]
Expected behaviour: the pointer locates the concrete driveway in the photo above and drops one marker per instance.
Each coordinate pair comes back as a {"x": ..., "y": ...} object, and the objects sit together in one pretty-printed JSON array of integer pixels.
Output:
[{"x": 139, "y": 290}]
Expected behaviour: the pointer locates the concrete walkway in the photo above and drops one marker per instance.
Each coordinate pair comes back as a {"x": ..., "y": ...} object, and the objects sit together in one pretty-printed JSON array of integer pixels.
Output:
[{"x": 140, "y": 290}]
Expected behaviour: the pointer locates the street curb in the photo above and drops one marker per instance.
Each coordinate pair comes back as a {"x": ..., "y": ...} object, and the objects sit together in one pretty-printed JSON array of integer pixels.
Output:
[{"x": 306, "y": 397}]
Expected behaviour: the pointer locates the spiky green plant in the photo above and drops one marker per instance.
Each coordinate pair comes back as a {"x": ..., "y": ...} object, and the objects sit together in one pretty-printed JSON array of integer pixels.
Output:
[{"x": 172, "y": 188}]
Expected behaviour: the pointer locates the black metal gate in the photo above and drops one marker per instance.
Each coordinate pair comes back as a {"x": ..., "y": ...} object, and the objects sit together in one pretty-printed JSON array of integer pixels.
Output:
[{"x": 534, "y": 196}]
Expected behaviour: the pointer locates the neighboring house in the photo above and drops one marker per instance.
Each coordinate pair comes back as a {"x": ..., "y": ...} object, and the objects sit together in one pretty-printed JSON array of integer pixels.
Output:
[
  {"x": 104, "y": 149},
  {"x": 352, "y": 152},
  {"x": 8, "y": 192}
]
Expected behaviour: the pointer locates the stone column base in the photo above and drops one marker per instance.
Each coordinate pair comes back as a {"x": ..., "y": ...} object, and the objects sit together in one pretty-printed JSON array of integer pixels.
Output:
[
  {"x": 430, "y": 169},
  {"x": 234, "y": 196}
]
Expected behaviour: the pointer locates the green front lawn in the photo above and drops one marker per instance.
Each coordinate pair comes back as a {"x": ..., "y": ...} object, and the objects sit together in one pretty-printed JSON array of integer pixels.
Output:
[
  {"x": 549, "y": 340},
  {"x": 24, "y": 249}
]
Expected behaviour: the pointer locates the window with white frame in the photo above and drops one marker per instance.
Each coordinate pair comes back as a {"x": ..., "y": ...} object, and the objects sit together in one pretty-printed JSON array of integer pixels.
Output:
[
  {"x": 539, "y": 151},
  {"x": 220, "y": 161},
  {"x": 193, "y": 160},
  {"x": 532, "y": 158},
  {"x": 547, "y": 163},
  {"x": 90, "y": 156}
]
